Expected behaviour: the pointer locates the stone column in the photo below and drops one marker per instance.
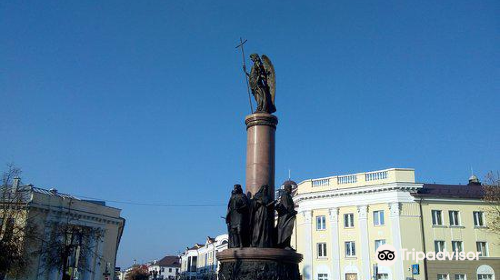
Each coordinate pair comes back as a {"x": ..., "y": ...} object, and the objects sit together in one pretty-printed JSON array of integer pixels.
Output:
[
  {"x": 307, "y": 271},
  {"x": 365, "y": 245},
  {"x": 395, "y": 210},
  {"x": 261, "y": 128},
  {"x": 336, "y": 251}
]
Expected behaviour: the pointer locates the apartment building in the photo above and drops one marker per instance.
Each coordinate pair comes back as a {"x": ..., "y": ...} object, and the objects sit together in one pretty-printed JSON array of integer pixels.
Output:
[{"x": 342, "y": 220}]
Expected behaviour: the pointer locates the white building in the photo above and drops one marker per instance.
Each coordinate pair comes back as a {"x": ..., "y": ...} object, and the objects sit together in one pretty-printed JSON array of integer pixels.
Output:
[
  {"x": 200, "y": 261},
  {"x": 168, "y": 268}
]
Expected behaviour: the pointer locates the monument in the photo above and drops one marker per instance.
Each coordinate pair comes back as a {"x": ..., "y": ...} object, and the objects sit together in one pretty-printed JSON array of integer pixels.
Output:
[{"x": 259, "y": 250}]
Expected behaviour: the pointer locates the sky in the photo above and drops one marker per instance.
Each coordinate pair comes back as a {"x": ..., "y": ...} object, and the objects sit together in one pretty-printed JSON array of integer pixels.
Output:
[{"x": 143, "y": 102}]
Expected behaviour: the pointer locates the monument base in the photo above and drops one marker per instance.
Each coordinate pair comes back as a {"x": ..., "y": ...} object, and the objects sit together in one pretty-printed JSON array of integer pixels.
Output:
[{"x": 259, "y": 264}]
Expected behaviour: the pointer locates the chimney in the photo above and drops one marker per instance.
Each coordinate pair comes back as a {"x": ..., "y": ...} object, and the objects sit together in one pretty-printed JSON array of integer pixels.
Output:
[{"x": 16, "y": 182}]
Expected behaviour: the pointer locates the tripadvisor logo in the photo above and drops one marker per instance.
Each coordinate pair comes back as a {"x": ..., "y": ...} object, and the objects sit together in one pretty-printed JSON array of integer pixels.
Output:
[{"x": 386, "y": 255}]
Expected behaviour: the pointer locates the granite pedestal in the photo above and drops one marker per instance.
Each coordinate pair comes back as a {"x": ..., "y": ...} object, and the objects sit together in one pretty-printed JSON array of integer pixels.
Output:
[{"x": 259, "y": 264}]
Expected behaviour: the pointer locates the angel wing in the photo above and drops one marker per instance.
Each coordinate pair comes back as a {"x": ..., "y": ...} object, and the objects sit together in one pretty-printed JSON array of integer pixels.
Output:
[{"x": 271, "y": 76}]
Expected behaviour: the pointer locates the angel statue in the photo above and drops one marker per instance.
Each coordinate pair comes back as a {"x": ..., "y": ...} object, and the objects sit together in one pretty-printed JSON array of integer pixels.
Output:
[{"x": 262, "y": 82}]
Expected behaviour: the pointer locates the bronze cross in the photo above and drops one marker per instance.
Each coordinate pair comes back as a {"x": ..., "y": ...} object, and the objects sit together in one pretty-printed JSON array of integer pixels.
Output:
[{"x": 244, "y": 69}]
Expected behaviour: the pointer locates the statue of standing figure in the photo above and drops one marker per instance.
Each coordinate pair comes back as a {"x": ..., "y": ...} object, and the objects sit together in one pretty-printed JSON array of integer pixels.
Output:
[
  {"x": 251, "y": 223},
  {"x": 237, "y": 218},
  {"x": 262, "y": 80},
  {"x": 286, "y": 218},
  {"x": 262, "y": 219}
]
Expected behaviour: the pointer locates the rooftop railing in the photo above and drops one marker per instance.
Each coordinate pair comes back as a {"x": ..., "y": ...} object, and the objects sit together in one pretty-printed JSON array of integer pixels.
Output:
[{"x": 360, "y": 178}]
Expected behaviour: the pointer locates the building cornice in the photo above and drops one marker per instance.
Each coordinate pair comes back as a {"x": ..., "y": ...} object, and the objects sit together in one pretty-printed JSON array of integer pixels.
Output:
[
  {"x": 406, "y": 187},
  {"x": 366, "y": 195},
  {"x": 77, "y": 213},
  {"x": 450, "y": 199}
]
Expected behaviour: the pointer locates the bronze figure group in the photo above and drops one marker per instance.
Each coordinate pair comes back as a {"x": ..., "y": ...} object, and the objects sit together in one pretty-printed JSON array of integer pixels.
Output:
[{"x": 250, "y": 222}]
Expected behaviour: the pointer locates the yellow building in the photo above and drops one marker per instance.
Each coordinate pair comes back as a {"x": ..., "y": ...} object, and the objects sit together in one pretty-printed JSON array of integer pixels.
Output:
[{"x": 342, "y": 220}]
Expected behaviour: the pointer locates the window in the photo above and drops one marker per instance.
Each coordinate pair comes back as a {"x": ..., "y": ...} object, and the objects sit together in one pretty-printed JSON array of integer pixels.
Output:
[
  {"x": 484, "y": 277},
  {"x": 457, "y": 246},
  {"x": 349, "y": 220},
  {"x": 351, "y": 276},
  {"x": 437, "y": 218},
  {"x": 379, "y": 243},
  {"x": 454, "y": 218},
  {"x": 320, "y": 223},
  {"x": 9, "y": 227},
  {"x": 478, "y": 219},
  {"x": 438, "y": 246},
  {"x": 350, "y": 249},
  {"x": 322, "y": 276},
  {"x": 321, "y": 250},
  {"x": 459, "y": 276},
  {"x": 482, "y": 249},
  {"x": 382, "y": 276},
  {"x": 378, "y": 218},
  {"x": 442, "y": 277},
  {"x": 169, "y": 270}
]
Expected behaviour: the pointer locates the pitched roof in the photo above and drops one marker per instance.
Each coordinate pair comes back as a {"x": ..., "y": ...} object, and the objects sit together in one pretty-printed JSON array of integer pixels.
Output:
[
  {"x": 451, "y": 191},
  {"x": 195, "y": 247},
  {"x": 170, "y": 261}
]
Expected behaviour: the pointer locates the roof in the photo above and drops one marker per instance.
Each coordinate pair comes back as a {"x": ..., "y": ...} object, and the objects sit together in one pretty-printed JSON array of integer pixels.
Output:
[
  {"x": 27, "y": 189},
  {"x": 210, "y": 239},
  {"x": 451, "y": 191},
  {"x": 25, "y": 195},
  {"x": 196, "y": 246},
  {"x": 52, "y": 192},
  {"x": 169, "y": 261}
]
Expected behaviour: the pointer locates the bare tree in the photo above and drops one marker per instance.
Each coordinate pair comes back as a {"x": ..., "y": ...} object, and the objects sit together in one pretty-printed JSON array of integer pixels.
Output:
[
  {"x": 66, "y": 248},
  {"x": 138, "y": 272},
  {"x": 492, "y": 197},
  {"x": 16, "y": 234}
]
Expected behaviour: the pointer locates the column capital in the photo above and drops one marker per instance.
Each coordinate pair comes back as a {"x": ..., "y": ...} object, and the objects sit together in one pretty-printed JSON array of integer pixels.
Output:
[
  {"x": 395, "y": 209},
  {"x": 307, "y": 214},
  {"x": 261, "y": 119},
  {"x": 334, "y": 214},
  {"x": 363, "y": 211}
]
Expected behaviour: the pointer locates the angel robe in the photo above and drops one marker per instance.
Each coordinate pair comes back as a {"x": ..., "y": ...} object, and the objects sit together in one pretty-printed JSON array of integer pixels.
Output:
[{"x": 260, "y": 89}]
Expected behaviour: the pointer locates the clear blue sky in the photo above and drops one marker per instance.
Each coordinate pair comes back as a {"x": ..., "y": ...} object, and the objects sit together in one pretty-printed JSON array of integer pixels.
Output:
[{"x": 144, "y": 101}]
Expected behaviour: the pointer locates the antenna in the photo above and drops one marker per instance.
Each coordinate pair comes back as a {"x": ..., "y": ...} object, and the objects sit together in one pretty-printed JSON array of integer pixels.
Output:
[{"x": 289, "y": 174}]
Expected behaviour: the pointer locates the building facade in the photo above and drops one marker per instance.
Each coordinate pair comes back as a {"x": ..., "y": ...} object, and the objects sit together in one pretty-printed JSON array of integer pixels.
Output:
[
  {"x": 342, "y": 220},
  {"x": 200, "y": 261},
  {"x": 92, "y": 233},
  {"x": 168, "y": 268}
]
